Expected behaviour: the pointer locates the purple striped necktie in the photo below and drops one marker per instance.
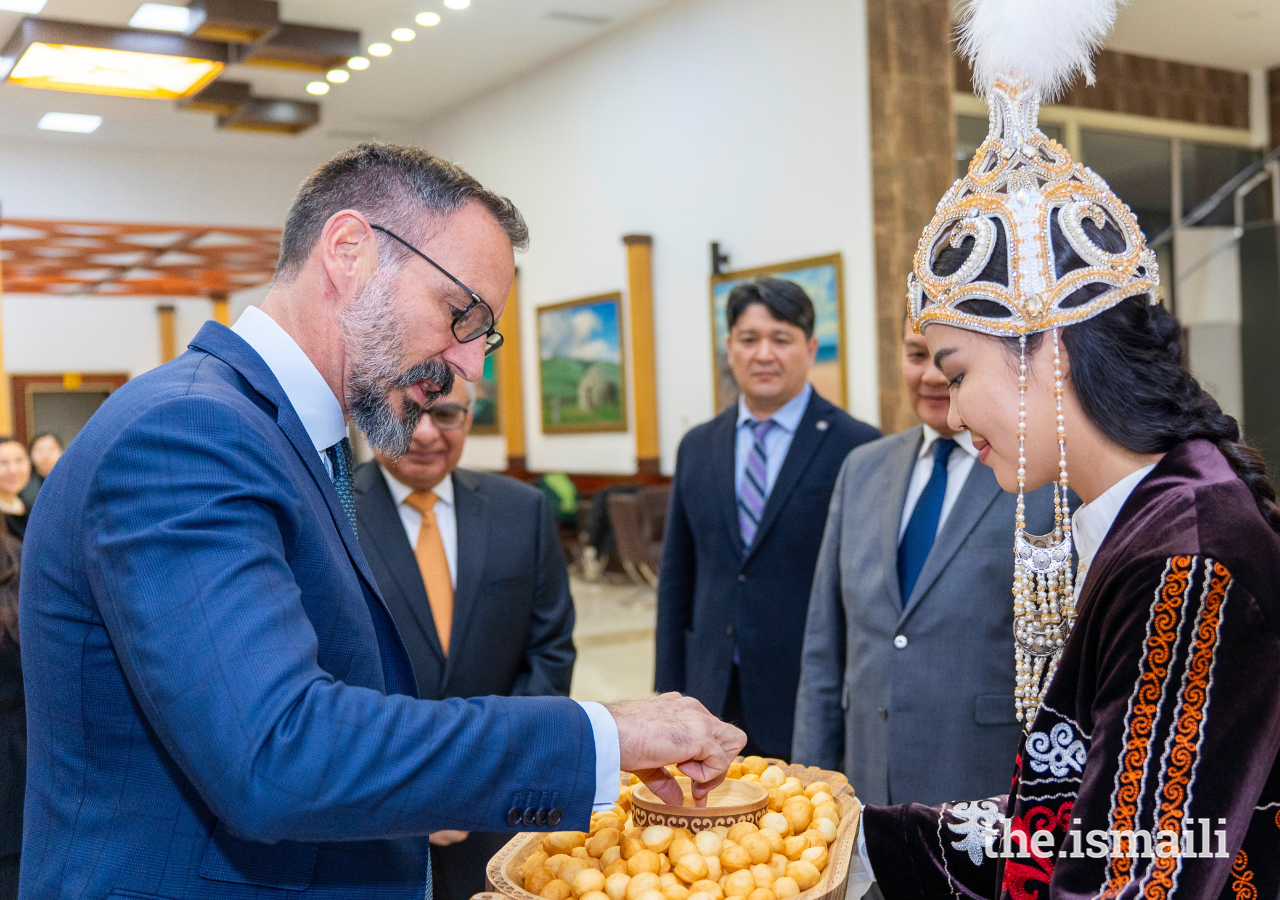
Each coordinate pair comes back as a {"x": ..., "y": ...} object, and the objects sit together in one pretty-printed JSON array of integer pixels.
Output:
[{"x": 753, "y": 492}]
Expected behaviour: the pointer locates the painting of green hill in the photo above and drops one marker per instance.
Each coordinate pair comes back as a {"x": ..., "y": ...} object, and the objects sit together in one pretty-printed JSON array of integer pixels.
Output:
[
  {"x": 580, "y": 363},
  {"x": 563, "y": 382}
]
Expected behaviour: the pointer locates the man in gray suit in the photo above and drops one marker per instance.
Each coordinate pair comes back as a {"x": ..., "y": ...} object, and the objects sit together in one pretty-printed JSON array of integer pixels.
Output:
[
  {"x": 907, "y": 675},
  {"x": 470, "y": 566}
]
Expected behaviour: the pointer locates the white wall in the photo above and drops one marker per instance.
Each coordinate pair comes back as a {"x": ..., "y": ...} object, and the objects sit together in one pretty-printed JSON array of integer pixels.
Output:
[{"x": 740, "y": 121}]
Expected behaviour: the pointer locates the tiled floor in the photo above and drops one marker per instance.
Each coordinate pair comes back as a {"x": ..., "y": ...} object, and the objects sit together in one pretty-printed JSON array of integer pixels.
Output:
[{"x": 614, "y": 636}]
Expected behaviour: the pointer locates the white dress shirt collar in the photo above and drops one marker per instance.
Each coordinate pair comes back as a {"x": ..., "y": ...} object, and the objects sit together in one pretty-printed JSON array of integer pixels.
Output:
[
  {"x": 309, "y": 394},
  {"x": 963, "y": 439},
  {"x": 1092, "y": 522},
  {"x": 788, "y": 417},
  {"x": 400, "y": 490}
]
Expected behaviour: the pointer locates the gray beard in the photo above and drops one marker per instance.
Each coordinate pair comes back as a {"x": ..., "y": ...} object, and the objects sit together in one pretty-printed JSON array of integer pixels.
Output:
[{"x": 374, "y": 343}]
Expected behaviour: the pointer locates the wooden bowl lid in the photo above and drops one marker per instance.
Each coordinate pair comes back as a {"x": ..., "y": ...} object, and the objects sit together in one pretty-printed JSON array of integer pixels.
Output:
[{"x": 730, "y": 803}]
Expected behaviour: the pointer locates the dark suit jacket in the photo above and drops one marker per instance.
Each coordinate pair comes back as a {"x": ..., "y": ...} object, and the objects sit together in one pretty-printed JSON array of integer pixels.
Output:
[
  {"x": 712, "y": 594},
  {"x": 512, "y": 615},
  {"x": 218, "y": 702}
]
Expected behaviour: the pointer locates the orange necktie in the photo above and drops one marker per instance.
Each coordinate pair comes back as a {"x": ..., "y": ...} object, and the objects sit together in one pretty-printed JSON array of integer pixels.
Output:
[{"x": 433, "y": 564}]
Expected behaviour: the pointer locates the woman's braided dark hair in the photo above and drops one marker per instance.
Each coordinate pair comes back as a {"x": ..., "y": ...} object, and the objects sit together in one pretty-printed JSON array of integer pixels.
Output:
[{"x": 1128, "y": 368}]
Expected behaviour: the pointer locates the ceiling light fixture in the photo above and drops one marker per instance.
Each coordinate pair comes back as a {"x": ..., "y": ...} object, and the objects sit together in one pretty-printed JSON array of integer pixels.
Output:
[
  {"x": 161, "y": 17},
  {"x": 308, "y": 48},
  {"x": 428, "y": 19},
  {"x": 319, "y": 88},
  {"x": 234, "y": 21},
  {"x": 379, "y": 49},
  {"x": 69, "y": 122},
  {"x": 457, "y": 4},
  {"x": 274, "y": 116},
  {"x": 404, "y": 34},
  {"x": 339, "y": 76},
  {"x": 358, "y": 63},
  {"x": 94, "y": 59},
  {"x": 23, "y": 6}
]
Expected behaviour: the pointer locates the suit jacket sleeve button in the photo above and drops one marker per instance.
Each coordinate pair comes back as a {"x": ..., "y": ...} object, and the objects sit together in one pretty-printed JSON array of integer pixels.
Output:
[
  {"x": 530, "y": 816},
  {"x": 541, "y": 818},
  {"x": 900, "y": 642},
  {"x": 514, "y": 817},
  {"x": 553, "y": 819}
]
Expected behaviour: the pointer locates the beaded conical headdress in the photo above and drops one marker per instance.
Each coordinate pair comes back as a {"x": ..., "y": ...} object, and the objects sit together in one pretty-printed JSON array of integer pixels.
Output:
[{"x": 1024, "y": 192}]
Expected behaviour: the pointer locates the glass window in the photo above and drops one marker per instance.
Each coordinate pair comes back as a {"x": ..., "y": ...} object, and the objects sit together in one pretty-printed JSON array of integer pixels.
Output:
[
  {"x": 1139, "y": 169},
  {"x": 971, "y": 131},
  {"x": 1205, "y": 168}
]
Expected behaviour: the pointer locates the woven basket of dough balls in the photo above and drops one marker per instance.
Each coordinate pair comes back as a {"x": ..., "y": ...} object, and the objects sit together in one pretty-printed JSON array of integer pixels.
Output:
[{"x": 797, "y": 843}]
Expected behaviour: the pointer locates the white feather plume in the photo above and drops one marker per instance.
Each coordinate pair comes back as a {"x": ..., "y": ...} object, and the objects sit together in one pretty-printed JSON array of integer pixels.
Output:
[{"x": 1046, "y": 42}]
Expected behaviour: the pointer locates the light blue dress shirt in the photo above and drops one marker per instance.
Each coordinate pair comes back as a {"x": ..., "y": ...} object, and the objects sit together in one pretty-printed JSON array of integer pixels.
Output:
[
  {"x": 776, "y": 443},
  {"x": 322, "y": 418}
]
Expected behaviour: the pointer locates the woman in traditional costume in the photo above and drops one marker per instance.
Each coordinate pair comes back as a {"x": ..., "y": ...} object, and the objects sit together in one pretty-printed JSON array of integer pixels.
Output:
[{"x": 1148, "y": 675}]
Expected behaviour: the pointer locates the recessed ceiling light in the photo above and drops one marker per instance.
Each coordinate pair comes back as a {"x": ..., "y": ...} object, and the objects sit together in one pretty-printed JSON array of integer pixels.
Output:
[
  {"x": 427, "y": 20},
  {"x": 161, "y": 17},
  {"x": 318, "y": 88},
  {"x": 359, "y": 63},
  {"x": 457, "y": 4},
  {"x": 404, "y": 34},
  {"x": 69, "y": 122},
  {"x": 23, "y": 6},
  {"x": 339, "y": 76},
  {"x": 379, "y": 49}
]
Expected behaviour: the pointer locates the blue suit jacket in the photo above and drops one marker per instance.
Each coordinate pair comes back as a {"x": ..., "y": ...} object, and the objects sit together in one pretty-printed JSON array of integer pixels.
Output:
[
  {"x": 218, "y": 702},
  {"x": 712, "y": 594}
]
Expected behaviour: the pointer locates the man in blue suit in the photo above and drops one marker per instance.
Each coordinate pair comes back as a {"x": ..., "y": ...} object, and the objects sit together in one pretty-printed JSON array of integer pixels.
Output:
[
  {"x": 748, "y": 503},
  {"x": 218, "y": 702}
]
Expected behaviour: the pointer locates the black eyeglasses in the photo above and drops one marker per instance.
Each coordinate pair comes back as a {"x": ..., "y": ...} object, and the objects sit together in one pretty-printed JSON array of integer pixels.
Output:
[
  {"x": 450, "y": 416},
  {"x": 470, "y": 324}
]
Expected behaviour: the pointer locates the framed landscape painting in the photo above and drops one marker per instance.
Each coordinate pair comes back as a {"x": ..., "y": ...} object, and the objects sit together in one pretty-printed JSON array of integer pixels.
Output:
[
  {"x": 580, "y": 363},
  {"x": 822, "y": 278},
  {"x": 485, "y": 419}
]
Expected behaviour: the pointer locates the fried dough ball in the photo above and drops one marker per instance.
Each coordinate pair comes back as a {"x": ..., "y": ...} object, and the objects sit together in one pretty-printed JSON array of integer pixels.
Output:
[
  {"x": 791, "y": 788},
  {"x": 805, "y": 874},
  {"x": 754, "y": 765},
  {"x": 817, "y": 787},
  {"x": 535, "y": 860},
  {"x": 539, "y": 878},
  {"x": 775, "y": 822},
  {"x": 657, "y": 838},
  {"x": 721, "y": 830},
  {"x": 827, "y": 811},
  {"x": 751, "y": 779},
  {"x": 594, "y": 895},
  {"x": 580, "y": 853},
  {"x": 602, "y": 840},
  {"x": 757, "y": 846},
  {"x": 692, "y": 867},
  {"x": 778, "y": 865},
  {"x": 786, "y": 888},
  {"x": 618, "y": 866},
  {"x": 708, "y": 887},
  {"x": 676, "y": 891},
  {"x": 563, "y": 841},
  {"x": 763, "y": 876},
  {"x": 569, "y": 869},
  {"x": 611, "y": 855},
  {"x": 772, "y": 777},
  {"x": 735, "y": 770},
  {"x": 645, "y": 881},
  {"x": 681, "y": 847},
  {"x": 631, "y": 846},
  {"x": 715, "y": 868},
  {"x": 649, "y": 895},
  {"x": 734, "y": 857},
  {"x": 820, "y": 798},
  {"x": 700, "y": 895},
  {"x": 775, "y": 840},
  {"x": 776, "y": 799},
  {"x": 825, "y": 827},
  {"x": 799, "y": 812},
  {"x": 762, "y": 894},
  {"x": 556, "y": 890},
  {"x": 794, "y": 846},
  {"x": 708, "y": 843},
  {"x": 587, "y": 881},
  {"x": 616, "y": 885},
  {"x": 817, "y": 856},
  {"x": 643, "y": 861},
  {"x": 739, "y": 884},
  {"x": 737, "y": 831},
  {"x": 664, "y": 864}
]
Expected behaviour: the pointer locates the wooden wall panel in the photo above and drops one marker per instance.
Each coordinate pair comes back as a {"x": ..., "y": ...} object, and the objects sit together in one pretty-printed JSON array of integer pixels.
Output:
[
  {"x": 912, "y": 135},
  {"x": 1273, "y": 94},
  {"x": 1158, "y": 88}
]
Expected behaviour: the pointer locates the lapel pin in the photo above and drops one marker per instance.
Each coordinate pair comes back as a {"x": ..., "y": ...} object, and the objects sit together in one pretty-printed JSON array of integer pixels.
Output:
[{"x": 822, "y": 425}]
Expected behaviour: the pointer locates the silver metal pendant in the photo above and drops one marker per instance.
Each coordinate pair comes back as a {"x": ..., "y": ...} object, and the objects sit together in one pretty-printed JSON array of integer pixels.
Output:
[{"x": 1040, "y": 554}]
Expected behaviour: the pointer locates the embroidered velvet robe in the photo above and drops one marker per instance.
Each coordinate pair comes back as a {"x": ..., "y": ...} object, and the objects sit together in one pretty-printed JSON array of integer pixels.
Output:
[{"x": 1163, "y": 720}]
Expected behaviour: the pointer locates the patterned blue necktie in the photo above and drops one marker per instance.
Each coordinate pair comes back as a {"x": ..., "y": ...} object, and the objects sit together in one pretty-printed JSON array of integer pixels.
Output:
[
  {"x": 340, "y": 458},
  {"x": 753, "y": 492},
  {"x": 917, "y": 540}
]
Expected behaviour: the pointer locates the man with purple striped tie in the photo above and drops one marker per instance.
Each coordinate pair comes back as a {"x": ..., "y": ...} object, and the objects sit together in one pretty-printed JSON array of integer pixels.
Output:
[{"x": 748, "y": 503}]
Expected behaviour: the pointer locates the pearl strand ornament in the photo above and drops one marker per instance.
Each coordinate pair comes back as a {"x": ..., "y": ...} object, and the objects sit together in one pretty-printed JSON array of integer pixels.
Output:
[{"x": 1044, "y": 603}]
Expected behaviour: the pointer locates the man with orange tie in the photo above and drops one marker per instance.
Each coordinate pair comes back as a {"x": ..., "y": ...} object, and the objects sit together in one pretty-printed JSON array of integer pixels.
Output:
[{"x": 471, "y": 568}]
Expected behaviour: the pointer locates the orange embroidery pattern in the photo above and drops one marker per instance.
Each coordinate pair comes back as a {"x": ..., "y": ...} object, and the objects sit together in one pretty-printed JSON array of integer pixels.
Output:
[
  {"x": 1189, "y": 726},
  {"x": 1242, "y": 878},
  {"x": 1161, "y": 635}
]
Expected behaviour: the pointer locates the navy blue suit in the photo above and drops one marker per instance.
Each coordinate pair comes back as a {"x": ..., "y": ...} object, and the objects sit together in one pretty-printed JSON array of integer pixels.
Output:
[
  {"x": 218, "y": 702},
  {"x": 713, "y": 594}
]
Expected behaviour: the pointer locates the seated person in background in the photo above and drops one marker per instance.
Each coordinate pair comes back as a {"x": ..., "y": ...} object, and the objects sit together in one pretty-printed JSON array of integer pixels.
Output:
[
  {"x": 471, "y": 568},
  {"x": 15, "y": 475},
  {"x": 907, "y": 678},
  {"x": 748, "y": 500},
  {"x": 44, "y": 449}
]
